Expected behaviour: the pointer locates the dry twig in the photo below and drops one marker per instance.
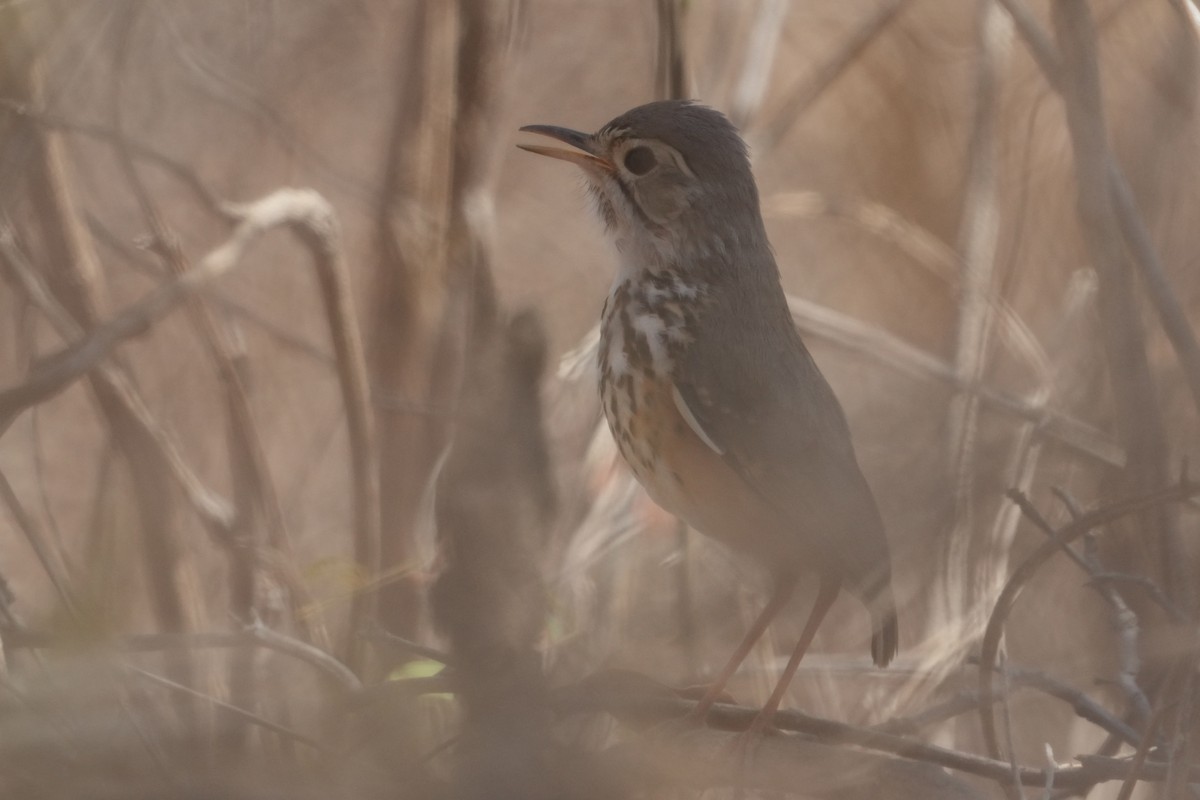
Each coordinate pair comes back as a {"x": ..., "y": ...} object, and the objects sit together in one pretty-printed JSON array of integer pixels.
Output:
[
  {"x": 1030, "y": 566},
  {"x": 826, "y": 74}
]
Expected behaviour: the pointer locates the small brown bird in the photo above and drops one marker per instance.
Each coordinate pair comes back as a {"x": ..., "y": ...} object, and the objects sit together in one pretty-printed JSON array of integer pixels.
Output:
[{"x": 712, "y": 397}]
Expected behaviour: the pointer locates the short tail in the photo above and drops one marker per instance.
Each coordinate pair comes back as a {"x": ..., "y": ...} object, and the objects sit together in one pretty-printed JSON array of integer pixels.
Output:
[{"x": 885, "y": 640}]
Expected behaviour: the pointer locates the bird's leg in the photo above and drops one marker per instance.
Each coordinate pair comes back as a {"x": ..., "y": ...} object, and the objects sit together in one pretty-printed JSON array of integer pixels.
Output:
[
  {"x": 826, "y": 594},
  {"x": 782, "y": 594}
]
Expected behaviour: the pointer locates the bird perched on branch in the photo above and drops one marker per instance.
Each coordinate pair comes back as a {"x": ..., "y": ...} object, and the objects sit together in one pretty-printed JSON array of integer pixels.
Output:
[{"x": 712, "y": 397}]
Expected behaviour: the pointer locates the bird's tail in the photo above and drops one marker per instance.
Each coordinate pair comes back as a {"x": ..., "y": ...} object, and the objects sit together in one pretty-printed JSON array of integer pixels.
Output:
[{"x": 885, "y": 640}]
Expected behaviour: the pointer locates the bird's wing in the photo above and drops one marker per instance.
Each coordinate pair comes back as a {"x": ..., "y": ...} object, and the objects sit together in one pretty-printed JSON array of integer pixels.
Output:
[{"x": 758, "y": 400}]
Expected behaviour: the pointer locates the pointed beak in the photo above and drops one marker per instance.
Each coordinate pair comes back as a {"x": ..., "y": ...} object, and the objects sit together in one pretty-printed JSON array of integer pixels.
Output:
[{"x": 584, "y": 154}]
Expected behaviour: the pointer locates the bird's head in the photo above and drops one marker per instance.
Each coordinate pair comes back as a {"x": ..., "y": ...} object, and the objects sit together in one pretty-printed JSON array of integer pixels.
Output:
[{"x": 674, "y": 174}]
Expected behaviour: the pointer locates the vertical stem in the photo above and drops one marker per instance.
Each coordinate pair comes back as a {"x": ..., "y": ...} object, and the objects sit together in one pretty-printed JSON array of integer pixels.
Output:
[
  {"x": 1139, "y": 417},
  {"x": 671, "y": 78},
  {"x": 976, "y": 574}
]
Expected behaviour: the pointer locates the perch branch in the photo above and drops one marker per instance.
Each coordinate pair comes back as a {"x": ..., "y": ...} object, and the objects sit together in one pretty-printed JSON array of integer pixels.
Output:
[
  {"x": 653, "y": 704},
  {"x": 968, "y": 700}
]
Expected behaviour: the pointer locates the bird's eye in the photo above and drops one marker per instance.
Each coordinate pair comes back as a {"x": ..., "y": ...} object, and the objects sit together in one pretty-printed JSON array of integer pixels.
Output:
[{"x": 640, "y": 160}]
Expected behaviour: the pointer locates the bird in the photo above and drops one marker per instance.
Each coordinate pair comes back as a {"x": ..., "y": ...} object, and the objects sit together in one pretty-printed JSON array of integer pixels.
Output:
[{"x": 712, "y": 397}]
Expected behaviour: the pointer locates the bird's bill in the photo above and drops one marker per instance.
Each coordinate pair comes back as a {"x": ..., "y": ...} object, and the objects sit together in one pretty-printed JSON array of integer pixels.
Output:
[{"x": 583, "y": 156}]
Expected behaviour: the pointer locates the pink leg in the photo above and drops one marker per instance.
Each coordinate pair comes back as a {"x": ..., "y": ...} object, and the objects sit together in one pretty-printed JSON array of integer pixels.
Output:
[
  {"x": 778, "y": 600},
  {"x": 826, "y": 594}
]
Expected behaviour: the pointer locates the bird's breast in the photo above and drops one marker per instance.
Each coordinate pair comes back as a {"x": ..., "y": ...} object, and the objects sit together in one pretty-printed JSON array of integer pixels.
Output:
[{"x": 645, "y": 331}]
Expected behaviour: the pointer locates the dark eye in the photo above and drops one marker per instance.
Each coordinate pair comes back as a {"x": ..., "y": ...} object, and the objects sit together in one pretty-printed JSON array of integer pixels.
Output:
[{"x": 640, "y": 160}]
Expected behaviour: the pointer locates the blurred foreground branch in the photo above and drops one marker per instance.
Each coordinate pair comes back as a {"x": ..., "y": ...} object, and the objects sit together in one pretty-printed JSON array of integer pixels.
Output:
[{"x": 310, "y": 217}]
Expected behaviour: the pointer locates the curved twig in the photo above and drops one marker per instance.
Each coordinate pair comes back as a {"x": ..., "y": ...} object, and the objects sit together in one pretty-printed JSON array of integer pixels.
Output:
[{"x": 1029, "y": 567}]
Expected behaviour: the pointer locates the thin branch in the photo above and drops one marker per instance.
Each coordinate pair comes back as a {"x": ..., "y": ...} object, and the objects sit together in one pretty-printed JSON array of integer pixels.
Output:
[
  {"x": 879, "y": 345},
  {"x": 1138, "y": 414},
  {"x": 206, "y": 199},
  {"x": 319, "y": 230},
  {"x": 1125, "y": 620},
  {"x": 285, "y": 207},
  {"x": 943, "y": 263},
  {"x": 253, "y": 635},
  {"x": 1013, "y": 789},
  {"x": 1133, "y": 229},
  {"x": 1151, "y": 588},
  {"x": 824, "y": 75},
  {"x": 1084, "y": 706},
  {"x": 240, "y": 713},
  {"x": 1041, "y": 46},
  {"x": 975, "y": 564},
  {"x": 1030, "y": 566},
  {"x": 311, "y": 218},
  {"x": 380, "y": 636},
  {"x": 1018, "y": 679},
  {"x": 671, "y": 74},
  {"x": 211, "y": 507},
  {"x": 1174, "y": 318},
  {"x": 37, "y": 541},
  {"x": 138, "y": 260},
  {"x": 662, "y": 706}
]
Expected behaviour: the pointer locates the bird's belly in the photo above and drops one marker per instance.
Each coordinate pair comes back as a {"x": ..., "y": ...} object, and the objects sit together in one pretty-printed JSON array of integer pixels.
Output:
[{"x": 685, "y": 476}]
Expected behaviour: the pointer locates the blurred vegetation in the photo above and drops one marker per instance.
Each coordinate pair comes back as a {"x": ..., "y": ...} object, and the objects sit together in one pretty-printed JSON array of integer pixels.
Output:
[{"x": 305, "y": 489}]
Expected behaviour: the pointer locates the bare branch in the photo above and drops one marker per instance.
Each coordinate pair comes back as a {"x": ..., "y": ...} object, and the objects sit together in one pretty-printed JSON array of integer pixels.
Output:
[
  {"x": 1132, "y": 228},
  {"x": 825, "y": 75},
  {"x": 974, "y": 565},
  {"x": 1030, "y": 566},
  {"x": 671, "y": 75},
  {"x": 285, "y": 207},
  {"x": 140, "y": 261},
  {"x": 212, "y": 508},
  {"x": 1038, "y": 40},
  {"x": 311, "y": 218},
  {"x": 206, "y": 199},
  {"x": 240, "y": 713},
  {"x": 653, "y": 705},
  {"x": 879, "y": 345}
]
